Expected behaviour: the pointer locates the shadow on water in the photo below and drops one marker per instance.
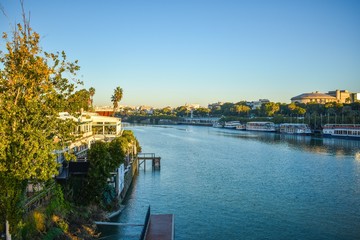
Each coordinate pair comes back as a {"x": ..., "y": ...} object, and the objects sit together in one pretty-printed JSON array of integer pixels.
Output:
[{"x": 128, "y": 214}]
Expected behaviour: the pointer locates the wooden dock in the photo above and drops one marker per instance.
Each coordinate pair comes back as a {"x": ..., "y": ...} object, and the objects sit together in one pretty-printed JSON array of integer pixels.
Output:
[
  {"x": 155, "y": 226},
  {"x": 143, "y": 157},
  {"x": 161, "y": 227},
  {"x": 158, "y": 227}
]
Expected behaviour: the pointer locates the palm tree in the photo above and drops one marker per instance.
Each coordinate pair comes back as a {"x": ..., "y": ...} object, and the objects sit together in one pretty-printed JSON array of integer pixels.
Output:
[
  {"x": 92, "y": 93},
  {"x": 116, "y": 98}
]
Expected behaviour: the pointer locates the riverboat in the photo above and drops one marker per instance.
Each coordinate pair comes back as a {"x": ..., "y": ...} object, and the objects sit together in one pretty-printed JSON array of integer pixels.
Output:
[
  {"x": 295, "y": 128},
  {"x": 217, "y": 125},
  {"x": 232, "y": 124},
  {"x": 241, "y": 127},
  {"x": 342, "y": 131},
  {"x": 260, "y": 126}
]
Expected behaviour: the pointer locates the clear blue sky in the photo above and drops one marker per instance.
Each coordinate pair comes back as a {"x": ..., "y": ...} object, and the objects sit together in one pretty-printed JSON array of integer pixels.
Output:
[{"x": 172, "y": 52}]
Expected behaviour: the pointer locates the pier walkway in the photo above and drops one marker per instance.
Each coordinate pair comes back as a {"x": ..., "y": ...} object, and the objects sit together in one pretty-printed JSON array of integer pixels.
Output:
[
  {"x": 155, "y": 226},
  {"x": 161, "y": 227},
  {"x": 158, "y": 227},
  {"x": 143, "y": 157}
]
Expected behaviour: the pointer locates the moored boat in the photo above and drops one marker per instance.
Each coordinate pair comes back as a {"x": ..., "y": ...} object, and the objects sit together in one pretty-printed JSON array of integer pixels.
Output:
[
  {"x": 232, "y": 124},
  {"x": 260, "y": 126},
  {"x": 295, "y": 128},
  {"x": 241, "y": 127},
  {"x": 217, "y": 125},
  {"x": 342, "y": 131}
]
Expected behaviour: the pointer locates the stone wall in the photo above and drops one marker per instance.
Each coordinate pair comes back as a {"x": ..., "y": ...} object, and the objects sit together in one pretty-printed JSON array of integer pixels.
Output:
[{"x": 129, "y": 176}]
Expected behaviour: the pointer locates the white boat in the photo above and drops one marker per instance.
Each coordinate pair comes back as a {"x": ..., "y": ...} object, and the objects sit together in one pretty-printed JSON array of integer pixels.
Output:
[
  {"x": 260, "y": 126},
  {"x": 241, "y": 127},
  {"x": 217, "y": 125},
  {"x": 342, "y": 130},
  {"x": 232, "y": 124},
  {"x": 295, "y": 128}
]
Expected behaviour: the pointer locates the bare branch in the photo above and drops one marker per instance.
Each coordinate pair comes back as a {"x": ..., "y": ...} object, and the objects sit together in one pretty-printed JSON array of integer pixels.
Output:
[{"x": 2, "y": 9}]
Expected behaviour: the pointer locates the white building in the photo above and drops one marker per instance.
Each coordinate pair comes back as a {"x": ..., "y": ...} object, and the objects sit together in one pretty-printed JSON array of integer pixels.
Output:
[
  {"x": 257, "y": 104},
  {"x": 105, "y": 127}
]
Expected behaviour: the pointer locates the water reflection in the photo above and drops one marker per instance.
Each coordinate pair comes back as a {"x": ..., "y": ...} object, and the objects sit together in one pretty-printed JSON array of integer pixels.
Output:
[
  {"x": 332, "y": 146},
  {"x": 224, "y": 184},
  {"x": 357, "y": 156}
]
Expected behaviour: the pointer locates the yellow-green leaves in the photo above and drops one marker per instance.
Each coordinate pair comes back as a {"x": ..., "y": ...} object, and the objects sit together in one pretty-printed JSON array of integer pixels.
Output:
[{"x": 34, "y": 88}]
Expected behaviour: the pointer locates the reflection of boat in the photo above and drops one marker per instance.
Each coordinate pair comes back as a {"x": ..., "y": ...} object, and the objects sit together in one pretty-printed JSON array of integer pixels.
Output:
[
  {"x": 295, "y": 128},
  {"x": 342, "y": 130},
  {"x": 217, "y": 125},
  {"x": 232, "y": 124},
  {"x": 260, "y": 126}
]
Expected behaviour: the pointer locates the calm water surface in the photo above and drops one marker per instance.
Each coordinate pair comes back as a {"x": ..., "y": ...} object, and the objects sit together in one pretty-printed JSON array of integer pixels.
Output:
[{"x": 227, "y": 184}]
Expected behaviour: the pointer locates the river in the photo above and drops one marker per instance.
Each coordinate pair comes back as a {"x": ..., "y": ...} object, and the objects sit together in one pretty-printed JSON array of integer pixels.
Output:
[{"x": 228, "y": 184}]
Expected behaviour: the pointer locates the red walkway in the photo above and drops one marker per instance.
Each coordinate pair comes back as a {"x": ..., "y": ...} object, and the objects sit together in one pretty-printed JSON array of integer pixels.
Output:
[{"x": 161, "y": 227}]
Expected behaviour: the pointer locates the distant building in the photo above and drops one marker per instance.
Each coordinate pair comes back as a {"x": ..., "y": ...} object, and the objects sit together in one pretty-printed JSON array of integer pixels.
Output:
[
  {"x": 192, "y": 106},
  {"x": 147, "y": 109},
  {"x": 104, "y": 110},
  {"x": 340, "y": 96},
  {"x": 215, "y": 105},
  {"x": 257, "y": 104},
  {"x": 314, "y": 97},
  {"x": 355, "y": 97}
]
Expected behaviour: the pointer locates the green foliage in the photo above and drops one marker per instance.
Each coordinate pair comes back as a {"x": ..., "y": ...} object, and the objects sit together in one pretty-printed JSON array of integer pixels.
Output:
[
  {"x": 269, "y": 109},
  {"x": 57, "y": 204},
  {"x": 182, "y": 111},
  {"x": 53, "y": 233},
  {"x": 103, "y": 158},
  {"x": 241, "y": 110},
  {"x": 39, "y": 219},
  {"x": 79, "y": 100},
  {"x": 12, "y": 192},
  {"x": 92, "y": 93},
  {"x": 117, "y": 150},
  {"x": 116, "y": 97},
  {"x": 33, "y": 90},
  {"x": 100, "y": 167},
  {"x": 131, "y": 139},
  {"x": 202, "y": 112}
]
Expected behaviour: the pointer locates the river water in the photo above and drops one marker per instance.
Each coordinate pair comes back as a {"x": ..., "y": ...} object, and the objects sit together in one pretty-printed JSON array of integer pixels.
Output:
[{"x": 228, "y": 184}]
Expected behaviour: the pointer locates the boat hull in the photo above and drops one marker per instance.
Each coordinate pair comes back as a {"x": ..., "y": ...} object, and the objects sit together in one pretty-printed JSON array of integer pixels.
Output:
[{"x": 345, "y": 131}]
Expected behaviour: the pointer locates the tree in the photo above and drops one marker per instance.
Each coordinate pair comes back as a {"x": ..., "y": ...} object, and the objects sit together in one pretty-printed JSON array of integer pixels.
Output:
[
  {"x": 104, "y": 158},
  {"x": 182, "y": 111},
  {"x": 166, "y": 111},
  {"x": 300, "y": 110},
  {"x": 77, "y": 101},
  {"x": 241, "y": 110},
  {"x": 92, "y": 93},
  {"x": 202, "y": 112},
  {"x": 226, "y": 108},
  {"x": 270, "y": 108},
  {"x": 99, "y": 170},
  {"x": 116, "y": 98},
  {"x": 33, "y": 90}
]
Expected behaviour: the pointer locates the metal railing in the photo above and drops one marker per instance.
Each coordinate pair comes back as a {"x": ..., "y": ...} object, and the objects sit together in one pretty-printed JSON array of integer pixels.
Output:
[
  {"x": 38, "y": 199},
  {"x": 146, "y": 155}
]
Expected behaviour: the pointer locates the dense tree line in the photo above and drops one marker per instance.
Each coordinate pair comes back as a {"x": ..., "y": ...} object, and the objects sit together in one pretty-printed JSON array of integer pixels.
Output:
[{"x": 331, "y": 112}]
